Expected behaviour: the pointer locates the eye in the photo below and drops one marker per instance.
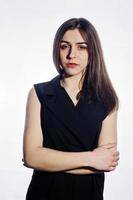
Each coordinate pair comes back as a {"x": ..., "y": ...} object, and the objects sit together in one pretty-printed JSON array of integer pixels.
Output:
[
  {"x": 63, "y": 46},
  {"x": 82, "y": 47}
]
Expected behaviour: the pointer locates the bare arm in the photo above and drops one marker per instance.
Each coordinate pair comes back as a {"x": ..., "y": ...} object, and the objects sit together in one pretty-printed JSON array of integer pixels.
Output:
[
  {"x": 108, "y": 135},
  {"x": 107, "y": 139},
  {"x": 38, "y": 157}
]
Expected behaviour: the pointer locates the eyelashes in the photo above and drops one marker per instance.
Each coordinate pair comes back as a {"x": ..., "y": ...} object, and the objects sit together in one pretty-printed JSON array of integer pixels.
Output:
[
  {"x": 83, "y": 47},
  {"x": 64, "y": 46}
]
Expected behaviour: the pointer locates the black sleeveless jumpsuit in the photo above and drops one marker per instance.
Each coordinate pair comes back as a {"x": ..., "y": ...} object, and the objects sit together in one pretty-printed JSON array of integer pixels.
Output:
[{"x": 69, "y": 128}]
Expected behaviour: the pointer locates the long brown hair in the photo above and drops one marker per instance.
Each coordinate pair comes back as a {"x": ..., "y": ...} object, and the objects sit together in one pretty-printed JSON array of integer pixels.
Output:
[{"x": 96, "y": 81}]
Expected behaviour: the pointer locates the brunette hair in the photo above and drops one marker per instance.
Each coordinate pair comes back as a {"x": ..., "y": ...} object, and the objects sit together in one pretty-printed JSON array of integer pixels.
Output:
[{"x": 96, "y": 82}]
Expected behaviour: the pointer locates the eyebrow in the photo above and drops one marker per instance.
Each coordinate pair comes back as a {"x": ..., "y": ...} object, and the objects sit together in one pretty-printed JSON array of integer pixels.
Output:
[{"x": 76, "y": 42}]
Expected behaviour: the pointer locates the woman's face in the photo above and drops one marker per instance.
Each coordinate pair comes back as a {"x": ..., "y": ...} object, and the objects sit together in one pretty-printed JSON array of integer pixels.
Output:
[{"x": 73, "y": 53}]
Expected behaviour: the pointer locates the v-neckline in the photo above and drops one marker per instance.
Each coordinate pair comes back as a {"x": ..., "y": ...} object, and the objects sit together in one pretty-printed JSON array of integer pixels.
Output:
[{"x": 68, "y": 96}]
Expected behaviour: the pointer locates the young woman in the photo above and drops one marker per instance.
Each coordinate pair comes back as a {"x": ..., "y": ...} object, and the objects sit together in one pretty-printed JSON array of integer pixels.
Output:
[{"x": 70, "y": 135}]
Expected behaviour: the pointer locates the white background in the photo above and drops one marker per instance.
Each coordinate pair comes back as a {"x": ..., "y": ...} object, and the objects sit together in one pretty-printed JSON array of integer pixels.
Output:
[{"x": 27, "y": 30}]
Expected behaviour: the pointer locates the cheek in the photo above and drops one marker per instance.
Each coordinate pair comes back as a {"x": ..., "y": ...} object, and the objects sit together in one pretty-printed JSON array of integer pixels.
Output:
[
  {"x": 84, "y": 58},
  {"x": 62, "y": 55},
  {"x": 87, "y": 59}
]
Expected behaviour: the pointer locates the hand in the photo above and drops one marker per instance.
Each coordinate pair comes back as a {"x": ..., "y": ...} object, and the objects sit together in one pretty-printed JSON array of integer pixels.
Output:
[{"x": 105, "y": 159}]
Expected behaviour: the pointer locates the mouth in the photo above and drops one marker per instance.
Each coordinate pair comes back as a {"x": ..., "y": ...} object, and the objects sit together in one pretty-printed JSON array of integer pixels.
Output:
[{"x": 72, "y": 65}]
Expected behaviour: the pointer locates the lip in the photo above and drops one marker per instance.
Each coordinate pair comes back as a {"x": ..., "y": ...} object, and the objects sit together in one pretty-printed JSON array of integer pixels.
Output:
[{"x": 72, "y": 65}]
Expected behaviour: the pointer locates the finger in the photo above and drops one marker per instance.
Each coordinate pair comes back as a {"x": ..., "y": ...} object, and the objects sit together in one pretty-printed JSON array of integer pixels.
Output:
[
  {"x": 114, "y": 164},
  {"x": 117, "y": 153},
  {"x": 112, "y": 168},
  {"x": 113, "y": 150},
  {"x": 116, "y": 158}
]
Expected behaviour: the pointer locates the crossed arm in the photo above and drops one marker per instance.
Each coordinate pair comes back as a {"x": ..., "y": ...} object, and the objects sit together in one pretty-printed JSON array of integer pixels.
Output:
[
  {"x": 107, "y": 140},
  {"x": 104, "y": 158}
]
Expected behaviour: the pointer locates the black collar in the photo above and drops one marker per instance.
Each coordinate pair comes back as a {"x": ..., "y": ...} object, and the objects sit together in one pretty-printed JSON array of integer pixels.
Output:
[{"x": 52, "y": 85}]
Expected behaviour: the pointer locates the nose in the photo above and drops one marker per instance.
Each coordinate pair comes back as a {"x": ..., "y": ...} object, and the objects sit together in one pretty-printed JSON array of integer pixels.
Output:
[{"x": 72, "y": 53}]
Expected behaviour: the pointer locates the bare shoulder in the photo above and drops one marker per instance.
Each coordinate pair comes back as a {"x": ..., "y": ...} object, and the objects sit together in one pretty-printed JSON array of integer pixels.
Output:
[
  {"x": 33, "y": 137},
  {"x": 32, "y": 91},
  {"x": 32, "y": 99},
  {"x": 32, "y": 94},
  {"x": 32, "y": 109},
  {"x": 108, "y": 134},
  {"x": 32, "y": 130},
  {"x": 111, "y": 116}
]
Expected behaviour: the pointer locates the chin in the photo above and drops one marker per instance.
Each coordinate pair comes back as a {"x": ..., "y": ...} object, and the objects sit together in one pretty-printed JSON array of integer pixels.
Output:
[
  {"x": 74, "y": 71},
  {"x": 68, "y": 73}
]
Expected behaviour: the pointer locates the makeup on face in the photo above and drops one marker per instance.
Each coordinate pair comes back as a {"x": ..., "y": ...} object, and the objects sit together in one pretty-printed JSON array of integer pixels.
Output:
[
  {"x": 72, "y": 65},
  {"x": 67, "y": 44},
  {"x": 73, "y": 52}
]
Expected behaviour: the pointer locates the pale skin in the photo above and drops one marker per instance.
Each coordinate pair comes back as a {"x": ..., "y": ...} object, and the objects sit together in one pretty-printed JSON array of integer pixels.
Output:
[{"x": 105, "y": 157}]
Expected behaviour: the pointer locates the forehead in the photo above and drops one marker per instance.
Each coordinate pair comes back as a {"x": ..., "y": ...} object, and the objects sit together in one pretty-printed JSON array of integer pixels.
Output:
[{"x": 73, "y": 36}]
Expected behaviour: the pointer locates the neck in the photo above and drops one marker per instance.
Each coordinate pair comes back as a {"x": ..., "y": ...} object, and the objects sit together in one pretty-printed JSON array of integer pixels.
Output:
[{"x": 72, "y": 82}]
